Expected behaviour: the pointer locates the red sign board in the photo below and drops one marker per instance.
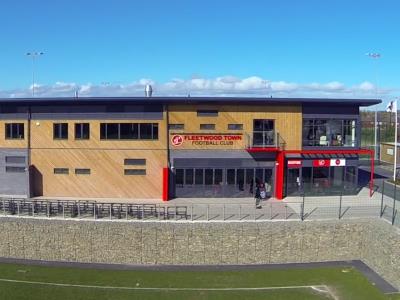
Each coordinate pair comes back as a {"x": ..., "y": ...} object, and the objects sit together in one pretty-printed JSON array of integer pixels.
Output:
[
  {"x": 321, "y": 163},
  {"x": 294, "y": 163},
  {"x": 336, "y": 162}
]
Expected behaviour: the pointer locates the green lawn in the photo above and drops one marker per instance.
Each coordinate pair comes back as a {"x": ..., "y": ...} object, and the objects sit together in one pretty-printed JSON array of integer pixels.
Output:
[{"x": 345, "y": 283}]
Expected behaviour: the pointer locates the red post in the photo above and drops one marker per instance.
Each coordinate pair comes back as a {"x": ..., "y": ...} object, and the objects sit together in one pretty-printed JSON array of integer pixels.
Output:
[
  {"x": 165, "y": 184},
  {"x": 371, "y": 182},
  {"x": 280, "y": 167}
]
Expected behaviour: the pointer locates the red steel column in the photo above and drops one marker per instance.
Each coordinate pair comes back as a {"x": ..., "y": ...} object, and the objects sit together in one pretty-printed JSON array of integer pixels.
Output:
[
  {"x": 280, "y": 167},
  {"x": 165, "y": 184}
]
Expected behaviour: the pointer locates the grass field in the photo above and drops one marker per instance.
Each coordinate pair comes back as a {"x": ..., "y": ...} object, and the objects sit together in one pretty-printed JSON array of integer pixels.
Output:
[{"x": 39, "y": 282}]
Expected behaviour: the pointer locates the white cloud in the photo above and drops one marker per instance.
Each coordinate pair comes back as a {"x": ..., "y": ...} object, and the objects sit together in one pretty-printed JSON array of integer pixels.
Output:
[{"x": 198, "y": 86}]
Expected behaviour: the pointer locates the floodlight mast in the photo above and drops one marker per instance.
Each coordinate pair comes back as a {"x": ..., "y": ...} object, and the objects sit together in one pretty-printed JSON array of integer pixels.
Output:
[{"x": 33, "y": 56}]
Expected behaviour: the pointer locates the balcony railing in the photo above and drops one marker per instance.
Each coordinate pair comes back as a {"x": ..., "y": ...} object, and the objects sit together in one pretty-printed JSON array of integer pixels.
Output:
[{"x": 264, "y": 139}]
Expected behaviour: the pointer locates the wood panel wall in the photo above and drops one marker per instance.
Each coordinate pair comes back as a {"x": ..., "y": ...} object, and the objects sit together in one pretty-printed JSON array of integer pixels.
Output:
[
  {"x": 288, "y": 121},
  {"x": 107, "y": 177}
]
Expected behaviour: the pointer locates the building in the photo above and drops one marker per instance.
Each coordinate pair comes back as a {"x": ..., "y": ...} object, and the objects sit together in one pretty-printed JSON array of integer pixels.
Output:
[{"x": 166, "y": 147}]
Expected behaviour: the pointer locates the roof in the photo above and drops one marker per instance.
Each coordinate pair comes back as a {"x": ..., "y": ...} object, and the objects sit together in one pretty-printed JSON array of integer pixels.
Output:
[{"x": 187, "y": 100}]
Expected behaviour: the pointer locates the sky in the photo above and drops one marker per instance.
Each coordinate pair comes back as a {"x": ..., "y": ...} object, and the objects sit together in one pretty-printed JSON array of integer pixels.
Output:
[{"x": 308, "y": 48}]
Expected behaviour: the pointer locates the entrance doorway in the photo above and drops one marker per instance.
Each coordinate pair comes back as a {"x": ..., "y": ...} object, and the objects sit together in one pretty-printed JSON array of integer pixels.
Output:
[{"x": 293, "y": 187}]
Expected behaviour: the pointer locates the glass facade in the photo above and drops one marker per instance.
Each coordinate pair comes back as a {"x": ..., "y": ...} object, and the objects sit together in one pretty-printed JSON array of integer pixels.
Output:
[
  {"x": 222, "y": 182},
  {"x": 329, "y": 133},
  {"x": 322, "y": 181}
]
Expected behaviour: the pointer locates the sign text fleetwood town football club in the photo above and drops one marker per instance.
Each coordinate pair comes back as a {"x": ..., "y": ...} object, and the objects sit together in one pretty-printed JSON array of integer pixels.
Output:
[{"x": 219, "y": 139}]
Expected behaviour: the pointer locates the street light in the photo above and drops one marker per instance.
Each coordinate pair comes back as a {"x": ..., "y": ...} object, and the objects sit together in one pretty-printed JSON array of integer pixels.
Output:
[
  {"x": 33, "y": 55},
  {"x": 375, "y": 56}
]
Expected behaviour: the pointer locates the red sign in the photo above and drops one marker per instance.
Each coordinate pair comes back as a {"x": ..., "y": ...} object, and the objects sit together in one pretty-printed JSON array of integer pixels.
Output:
[
  {"x": 177, "y": 140},
  {"x": 321, "y": 163},
  {"x": 294, "y": 163}
]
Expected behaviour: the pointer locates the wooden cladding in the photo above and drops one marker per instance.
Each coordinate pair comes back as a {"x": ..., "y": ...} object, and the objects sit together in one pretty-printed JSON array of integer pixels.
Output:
[{"x": 287, "y": 120}]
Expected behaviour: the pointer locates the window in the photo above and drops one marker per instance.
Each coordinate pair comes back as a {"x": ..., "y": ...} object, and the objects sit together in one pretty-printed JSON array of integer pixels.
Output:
[
  {"x": 207, "y": 113},
  {"x": 263, "y": 133},
  {"x": 15, "y": 159},
  {"x": 235, "y": 126},
  {"x": 15, "y": 169},
  {"x": 179, "y": 175},
  {"x": 82, "y": 171},
  {"x": 82, "y": 131},
  {"x": 207, "y": 126},
  {"x": 135, "y": 171},
  {"x": 176, "y": 126},
  {"x": 15, "y": 131},
  {"x": 329, "y": 133},
  {"x": 146, "y": 131},
  {"x": 61, "y": 171},
  {"x": 129, "y": 131},
  {"x": 60, "y": 131},
  {"x": 134, "y": 162}
]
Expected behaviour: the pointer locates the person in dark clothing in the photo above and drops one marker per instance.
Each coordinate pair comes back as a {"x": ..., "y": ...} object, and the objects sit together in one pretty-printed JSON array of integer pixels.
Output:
[{"x": 257, "y": 196}]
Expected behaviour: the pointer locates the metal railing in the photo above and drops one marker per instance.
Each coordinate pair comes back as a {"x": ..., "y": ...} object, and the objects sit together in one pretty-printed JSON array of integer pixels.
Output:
[
  {"x": 384, "y": 204},
  {"x": 264, "y": 139}
]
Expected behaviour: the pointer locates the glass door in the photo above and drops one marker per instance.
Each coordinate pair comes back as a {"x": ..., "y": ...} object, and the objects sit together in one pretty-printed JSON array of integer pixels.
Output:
[{"x": 293, "y": 187}]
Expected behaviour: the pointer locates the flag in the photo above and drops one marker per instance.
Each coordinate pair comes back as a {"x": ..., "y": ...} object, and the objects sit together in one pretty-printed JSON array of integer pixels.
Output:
[{"x": 392, "y": 106}]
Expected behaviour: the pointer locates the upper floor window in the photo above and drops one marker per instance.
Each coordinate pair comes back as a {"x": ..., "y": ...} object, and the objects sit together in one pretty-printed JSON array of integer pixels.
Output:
[
  {"x": 60, "y": 131},
  {"x": 329, "y": 133},
  {"x": 176, "y": 126},
  {"x": 15, "y": 131},
  {"x": 82, "y": 131},
  {"x": 207, "y": 126},
  {"x": 235, "y": 126},
  {"x": 207, "y": 113},
  {"x": 129, "y": 131}
]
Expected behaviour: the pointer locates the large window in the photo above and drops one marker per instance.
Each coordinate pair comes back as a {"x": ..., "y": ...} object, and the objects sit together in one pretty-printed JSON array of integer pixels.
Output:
[
  {"x": 329, "y": 133},
  {"x": 263, "y": 133},
  {"x": 15, "y": 131},
  {"x": 129, "y": 131},
  {"x": 82, "y": 131},
  {"x": 60, "y": 131}
]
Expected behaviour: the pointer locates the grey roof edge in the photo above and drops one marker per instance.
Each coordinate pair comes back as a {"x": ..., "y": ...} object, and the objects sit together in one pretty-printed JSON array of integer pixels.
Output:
[{"x": 197, "y": 99}]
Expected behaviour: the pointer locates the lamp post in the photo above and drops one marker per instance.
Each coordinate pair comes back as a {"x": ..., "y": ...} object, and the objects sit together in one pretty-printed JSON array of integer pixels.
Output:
[
  {"x": 33, "y": 56},
  {"x": 375, "y": 57}
]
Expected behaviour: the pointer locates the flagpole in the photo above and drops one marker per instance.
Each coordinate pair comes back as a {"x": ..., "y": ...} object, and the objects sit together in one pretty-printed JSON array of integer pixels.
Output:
[{"x": 395, "y": 142}]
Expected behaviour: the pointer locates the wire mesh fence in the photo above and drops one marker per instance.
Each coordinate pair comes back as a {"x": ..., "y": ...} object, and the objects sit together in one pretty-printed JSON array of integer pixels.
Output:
[{"x": 383, "y": 203}]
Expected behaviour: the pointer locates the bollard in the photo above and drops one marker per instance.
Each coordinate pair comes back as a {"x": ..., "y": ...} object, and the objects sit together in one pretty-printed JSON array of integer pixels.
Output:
[
  {"x": 240, "y": 212},
  {"x": 33, "y": 209},
  {"x": 191, "y": 212},
  {"x": 340, "y": 205},
  {"x": 48, "y": 209},
  {"x": 208, "y": 211},
  {"x": 18, "y": 208},
  {"x": 223, "y": 212},
  {"x": 63, "y": 210}
]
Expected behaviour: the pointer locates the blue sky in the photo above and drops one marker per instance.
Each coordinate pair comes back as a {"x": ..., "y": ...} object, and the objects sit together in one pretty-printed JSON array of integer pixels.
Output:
[{"x": 293, "y": 48}]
